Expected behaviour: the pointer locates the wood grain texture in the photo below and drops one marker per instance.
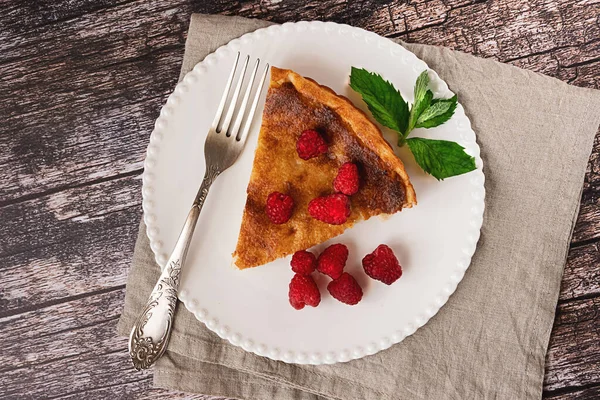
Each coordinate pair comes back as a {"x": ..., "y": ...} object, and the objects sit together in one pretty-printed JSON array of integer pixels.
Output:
[
  {"x": 574, "y": 346},
  {"x": 73, "y": 241},
  {"x": 141, "y": 389},
  {"x": 90, "y": 78},
  {"x": 581, "y": 277},
  {"x": 68, "y": 331},
  {"x": 592, "y": 392},
  {"x": 72, "y": 338}
]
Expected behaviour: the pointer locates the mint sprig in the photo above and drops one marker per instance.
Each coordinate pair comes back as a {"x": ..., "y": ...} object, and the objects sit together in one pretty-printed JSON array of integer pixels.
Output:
[{"x": 440, "y": 158}]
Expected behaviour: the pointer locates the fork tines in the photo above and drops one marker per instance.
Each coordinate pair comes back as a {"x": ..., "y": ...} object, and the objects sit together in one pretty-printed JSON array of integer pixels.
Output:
[{"x": 225, "y": 126}]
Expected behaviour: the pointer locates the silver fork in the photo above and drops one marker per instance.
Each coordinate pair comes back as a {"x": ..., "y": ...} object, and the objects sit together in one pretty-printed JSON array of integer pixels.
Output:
[{"x": 223, "y": 145}]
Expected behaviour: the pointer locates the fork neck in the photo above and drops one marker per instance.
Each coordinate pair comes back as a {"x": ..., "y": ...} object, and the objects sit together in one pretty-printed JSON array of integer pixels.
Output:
[{"x": 210, "y": 175}]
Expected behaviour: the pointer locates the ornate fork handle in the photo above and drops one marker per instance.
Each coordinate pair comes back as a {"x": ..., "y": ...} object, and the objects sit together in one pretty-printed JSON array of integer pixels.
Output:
[{"x": 144, "y": 348}]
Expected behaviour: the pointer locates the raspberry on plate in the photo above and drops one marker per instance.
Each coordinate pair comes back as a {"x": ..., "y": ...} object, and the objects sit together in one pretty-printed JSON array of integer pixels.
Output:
[
  {"x": 333, "y": 209},
  {"x": 279, "y": 207},
  {"x": 310, "y": 144},
  {"x": 333, "y": 260},
  {"x": 345, "y": 289},
  {"x": 303, "y": 262},
  {"x": 382, "y": 265},
  {"x": 303, "y": 292},
  {"x": 347, "y": 179}
]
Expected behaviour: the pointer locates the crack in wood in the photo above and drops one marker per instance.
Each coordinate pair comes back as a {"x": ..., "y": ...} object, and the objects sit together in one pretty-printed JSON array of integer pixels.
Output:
[
  {"x": 587, "y": 296},
  {"x": 59, "y": 189},
  {"x": 554, "y": 394},
  {"x": 78, "y": 392},
  {"x": 58, "y": 359},
  {"x": 17, "y": 311},
  {"x": 585, "y": 392},
  {"x": 69, "y": 330}
]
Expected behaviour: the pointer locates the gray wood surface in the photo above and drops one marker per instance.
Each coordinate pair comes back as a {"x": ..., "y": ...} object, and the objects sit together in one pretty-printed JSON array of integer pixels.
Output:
[{"x": 81, "y": 83}]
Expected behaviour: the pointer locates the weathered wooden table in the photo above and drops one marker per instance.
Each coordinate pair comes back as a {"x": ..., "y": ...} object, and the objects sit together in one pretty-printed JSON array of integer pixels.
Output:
[{"x": 81, "y": 83}]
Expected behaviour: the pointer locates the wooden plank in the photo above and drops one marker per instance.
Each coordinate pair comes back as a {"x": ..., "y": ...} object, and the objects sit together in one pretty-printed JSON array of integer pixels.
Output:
[
  {"x": 71, "y": 329},
  {"x": 573, "y": 358},
  {"x": 84, "y": 140},
  {"x": 64, "y": 215},
  {"x": 70, "y": 348},
  {"x": 67, "y": 333},
  {"x": 105, "y": 76},
  {"x": 19, "y": 17},
  {"x": 70, "y": 375},
  {"x": 400, "y": 19},
  {"x": 71, "y": 242}
]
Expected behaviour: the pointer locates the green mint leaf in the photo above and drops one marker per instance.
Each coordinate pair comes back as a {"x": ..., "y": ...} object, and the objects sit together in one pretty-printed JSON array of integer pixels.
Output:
[
  {"x": 440, "y": 111},
  {"x": 441, "y": 158},
  {"x": 418, "y": 108},
  {"x": 384, "y": 101},
  {"x": 421, "y": 87}
]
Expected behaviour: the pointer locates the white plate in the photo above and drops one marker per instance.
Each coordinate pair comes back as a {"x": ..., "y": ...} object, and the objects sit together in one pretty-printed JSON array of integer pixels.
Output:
[{"x": 434, "y": 241}]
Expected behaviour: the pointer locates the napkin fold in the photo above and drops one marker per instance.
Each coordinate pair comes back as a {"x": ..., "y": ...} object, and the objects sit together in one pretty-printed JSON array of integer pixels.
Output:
[{"x": 490, "y": 339}]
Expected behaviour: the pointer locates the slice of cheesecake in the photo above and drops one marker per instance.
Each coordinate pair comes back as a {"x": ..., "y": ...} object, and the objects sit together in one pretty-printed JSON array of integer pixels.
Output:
[{"x": 294, "y": 105}]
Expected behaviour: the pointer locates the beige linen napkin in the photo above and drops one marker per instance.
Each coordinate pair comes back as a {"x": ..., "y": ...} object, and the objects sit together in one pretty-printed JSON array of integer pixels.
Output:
[{"x": 489, "y": 341}]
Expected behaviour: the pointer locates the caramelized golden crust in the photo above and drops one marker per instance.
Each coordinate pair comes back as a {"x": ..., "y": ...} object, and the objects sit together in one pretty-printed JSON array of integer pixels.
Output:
[
  {"x": 361, "y": 126},
  {"x": 295, "y": 104}
]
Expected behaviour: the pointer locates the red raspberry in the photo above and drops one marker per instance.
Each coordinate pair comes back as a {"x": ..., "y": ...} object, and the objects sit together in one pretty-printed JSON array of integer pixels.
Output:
[
  {"x": 333, "y": 209},
  {"x": 345, "y": 289},
  {"x": 382, "y": 265},
  {"x": 303, "y": 262},
  {"x": 279, "y": 207},
  {"x": 310, "y": 144},
  {"x": 333, "y": 260},
  {"x": 304, "y": 292},
  {"x": 346, "y": 180}
]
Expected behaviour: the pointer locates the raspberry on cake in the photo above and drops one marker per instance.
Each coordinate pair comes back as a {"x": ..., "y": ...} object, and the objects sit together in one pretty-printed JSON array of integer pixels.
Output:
[
  {"x": 310, "y": 144},
  {"x": 333, "y": 209},
  {"x": 295, "y": 105},
  {"x": 279, "y": 207},
  {"x": 346, "y": 181}
]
